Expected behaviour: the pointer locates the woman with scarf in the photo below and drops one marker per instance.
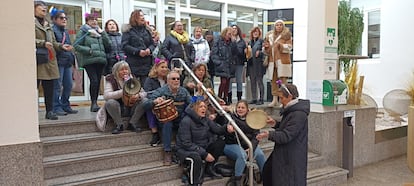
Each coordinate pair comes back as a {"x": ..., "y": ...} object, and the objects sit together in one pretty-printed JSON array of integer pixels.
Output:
[
  {"x": 91, "y": 44},
  {"x": 202, "y": 49},
  {"x": 116, "y": 54},
  {"x": 178, "y": 45},
  {"x": 239, "y": 59}
]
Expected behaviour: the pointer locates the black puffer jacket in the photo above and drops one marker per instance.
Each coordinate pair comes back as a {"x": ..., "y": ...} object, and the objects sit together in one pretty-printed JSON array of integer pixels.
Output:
[
  {"x": 250, "y": 133},
  {"x": 222, "y": 56},
  {"x": 171, "y": 48},
  {"x": 196, "y": 133},
  {"x": 240, "y": 55},
  {"x": 135, "y": 39}
]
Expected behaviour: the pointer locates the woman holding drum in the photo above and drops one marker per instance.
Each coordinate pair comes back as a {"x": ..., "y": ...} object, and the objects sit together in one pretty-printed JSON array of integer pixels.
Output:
[
  {"x": 236, "y": 151},
  {"x": 114, "y": 96}
]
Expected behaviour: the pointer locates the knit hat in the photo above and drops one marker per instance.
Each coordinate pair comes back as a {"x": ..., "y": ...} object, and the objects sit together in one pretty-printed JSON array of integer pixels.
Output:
[{"x": 280, "y": 21}]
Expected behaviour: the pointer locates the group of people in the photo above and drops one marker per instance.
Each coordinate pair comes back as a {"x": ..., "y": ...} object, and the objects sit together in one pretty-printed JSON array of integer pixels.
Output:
[{"x": 202, "y": 132}]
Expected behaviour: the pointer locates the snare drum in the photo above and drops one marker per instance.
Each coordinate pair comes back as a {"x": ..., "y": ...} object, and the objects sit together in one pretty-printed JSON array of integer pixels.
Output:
[{"x": 165, "y": 111}]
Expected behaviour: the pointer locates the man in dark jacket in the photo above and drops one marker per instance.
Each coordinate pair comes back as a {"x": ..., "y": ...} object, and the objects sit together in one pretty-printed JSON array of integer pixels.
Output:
[
  {"x": 138, "y": 45},
  {"x": 287, "y": 165},
  {"x": 196, "y": 142}
]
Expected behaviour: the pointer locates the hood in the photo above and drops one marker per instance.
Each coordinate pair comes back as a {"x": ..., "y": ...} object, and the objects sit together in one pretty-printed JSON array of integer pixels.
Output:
[
  {"x": 197, "y": 41},
  {"x": 301, "y": 105},
  {"x": 189, "y": 111}
]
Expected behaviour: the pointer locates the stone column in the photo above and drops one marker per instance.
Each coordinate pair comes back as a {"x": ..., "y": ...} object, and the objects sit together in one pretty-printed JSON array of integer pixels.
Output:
[{"x": 410, "y": 138}]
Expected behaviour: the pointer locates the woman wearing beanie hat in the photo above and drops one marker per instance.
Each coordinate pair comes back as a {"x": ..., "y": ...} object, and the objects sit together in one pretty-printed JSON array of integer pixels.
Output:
[{"x": 277, "y": 46}]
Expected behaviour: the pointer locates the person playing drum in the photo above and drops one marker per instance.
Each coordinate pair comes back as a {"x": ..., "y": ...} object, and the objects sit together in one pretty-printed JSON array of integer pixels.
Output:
[
  {"x": 113, "y": 94},
  {"x": 181, "y": 99}
]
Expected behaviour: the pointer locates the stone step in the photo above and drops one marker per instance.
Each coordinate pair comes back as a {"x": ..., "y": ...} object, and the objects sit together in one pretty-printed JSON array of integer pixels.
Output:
[
  {"x": 83, "y": 162},
  {"x": 324, "y": 176},
  {"x": 143, "y": 174},
  {"x": 61, "y": 128},
  {"x": 75, "y": 143},
  {"x": 328, "y": 175}
]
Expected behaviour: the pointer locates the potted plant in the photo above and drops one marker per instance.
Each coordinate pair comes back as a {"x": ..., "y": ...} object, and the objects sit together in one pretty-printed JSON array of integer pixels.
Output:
[{"x": 350, "y": 28}]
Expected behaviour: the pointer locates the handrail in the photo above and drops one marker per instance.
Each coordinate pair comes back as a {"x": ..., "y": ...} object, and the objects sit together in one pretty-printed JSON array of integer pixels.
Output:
[{"x": 227, "y": 115}]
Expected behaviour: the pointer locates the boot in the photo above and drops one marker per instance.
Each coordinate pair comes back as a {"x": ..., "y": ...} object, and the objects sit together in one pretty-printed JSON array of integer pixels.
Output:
[
  {"x": 211, "y": 172},
  {"x": 234, "y": 181},
  {"x": 274, "y": 102},
  {"x": 134, "y": 128},
  {"x": 260, "y": 102},
  {"x": 155, "y": 139},
  {"x": 94, "y": 106},
  {"x": 229, "y": 98},
  {"x": 167, "y": 158},
  {"x": 117, "y": 129},
  {"x": 51, "y": 115},
  {"x": 239, "y": 95}
]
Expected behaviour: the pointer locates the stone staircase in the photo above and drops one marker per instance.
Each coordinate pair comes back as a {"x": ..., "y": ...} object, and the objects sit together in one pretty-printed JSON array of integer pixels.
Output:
[{"x": 75, "y": 153}]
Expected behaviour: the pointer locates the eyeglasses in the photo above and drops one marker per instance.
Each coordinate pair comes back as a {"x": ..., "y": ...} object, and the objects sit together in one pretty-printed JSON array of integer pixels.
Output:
[
  {"x": 175, "y": 78},
  {"x": 63, "y": 18}
]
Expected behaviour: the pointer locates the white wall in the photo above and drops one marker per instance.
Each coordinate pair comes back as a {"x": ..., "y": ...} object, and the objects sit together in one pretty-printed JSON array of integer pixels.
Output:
[
  {"x": 394, "y": 69},
  {"x": 18, "y": 108}
]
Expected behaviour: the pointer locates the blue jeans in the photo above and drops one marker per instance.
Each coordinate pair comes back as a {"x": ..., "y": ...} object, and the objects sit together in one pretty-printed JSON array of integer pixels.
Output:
[
  {"x": 62, "y": 89},
  {"x": 235, "y": 152},
  {"x": 239, "y": 78}
]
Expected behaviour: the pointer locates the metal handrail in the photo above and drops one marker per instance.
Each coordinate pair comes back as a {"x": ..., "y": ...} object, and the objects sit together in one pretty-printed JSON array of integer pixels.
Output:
[{"x": 227, "y": 115}]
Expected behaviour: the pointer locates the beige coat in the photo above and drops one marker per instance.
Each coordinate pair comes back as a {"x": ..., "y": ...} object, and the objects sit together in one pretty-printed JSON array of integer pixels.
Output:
[{"x": 47, "y": 71}]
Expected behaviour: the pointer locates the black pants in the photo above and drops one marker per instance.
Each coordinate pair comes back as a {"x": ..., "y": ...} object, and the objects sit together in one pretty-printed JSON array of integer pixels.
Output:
[
  {"x": 195, "y": 165},
  {"x": 48, "y": 88},
  {"x": 267, "y": 172},
  {"x": 94, "y": 72}
]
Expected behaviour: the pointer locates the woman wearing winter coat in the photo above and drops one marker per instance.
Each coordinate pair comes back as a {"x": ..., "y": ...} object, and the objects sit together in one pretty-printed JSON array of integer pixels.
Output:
[
  {"x": 202, "y": 49},
  {"x": 287, "y": 164},
  {"x": 255, "y": 69},
  {"x": 138, "y": 45},
  {"x": 91, "y": 45},
  {"x": 177, "y": 45},
  {"x": 238, "y": 63},
  {"x": 116, "y": 53},
  {"x": 196, "y": 142},
  {"x": 47, "y": 72},
  {"x": 222, "y": 56},
  {"x": 277, "y": 46}
]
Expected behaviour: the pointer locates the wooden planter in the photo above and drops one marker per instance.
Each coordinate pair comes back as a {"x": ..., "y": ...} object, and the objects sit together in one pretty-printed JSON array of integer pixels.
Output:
[{"x": 410, "y": 138}]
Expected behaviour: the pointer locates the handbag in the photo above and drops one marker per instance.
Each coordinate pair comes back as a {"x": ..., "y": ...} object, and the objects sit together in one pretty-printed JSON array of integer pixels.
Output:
[
  {"x": 286, "y": 48},
  {"x": 101, "y": 119},
  {"x": 42, "y": 55},
  {"x": 269, "y": 71},
  {"x": 284, "y": 70}
]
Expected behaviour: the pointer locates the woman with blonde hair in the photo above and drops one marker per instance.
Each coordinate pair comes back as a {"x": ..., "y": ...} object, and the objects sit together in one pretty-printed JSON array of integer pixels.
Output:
[
  {"x": 277, "y": 46},
  {"x": 202, "y": 49},
  {"x": 157, "y": 77}
]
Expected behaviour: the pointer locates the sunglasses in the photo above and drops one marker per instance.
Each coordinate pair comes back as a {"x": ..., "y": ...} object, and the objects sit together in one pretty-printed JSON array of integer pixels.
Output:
[
  {"x": 63, "y": 18},
  {"x": 175, "y": 78}
]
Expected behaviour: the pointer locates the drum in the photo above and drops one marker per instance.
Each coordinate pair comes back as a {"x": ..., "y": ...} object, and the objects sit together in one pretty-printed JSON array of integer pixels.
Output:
[
  {"x": 131, "y": 87},
  {"x": 256, "y": 119},
  {"x": 165, "y": 111}
]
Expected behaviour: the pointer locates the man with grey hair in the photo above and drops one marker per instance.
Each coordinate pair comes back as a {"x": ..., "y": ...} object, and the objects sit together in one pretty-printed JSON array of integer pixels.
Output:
[{"x": 181, "y": 97}]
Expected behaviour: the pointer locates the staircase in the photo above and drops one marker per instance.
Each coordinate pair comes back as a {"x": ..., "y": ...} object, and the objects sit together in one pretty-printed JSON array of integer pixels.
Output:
[{"x": 75, "y": 153}]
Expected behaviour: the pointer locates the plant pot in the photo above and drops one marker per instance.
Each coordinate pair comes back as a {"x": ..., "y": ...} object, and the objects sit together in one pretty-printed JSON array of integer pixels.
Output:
[{"x": 410, "y": 138}]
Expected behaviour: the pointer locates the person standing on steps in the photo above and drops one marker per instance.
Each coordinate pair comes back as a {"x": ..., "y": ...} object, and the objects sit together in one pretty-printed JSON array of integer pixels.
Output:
[
  {"x": 255, "y": 69},
  {"x": 91, "y": 45},
  {"x": 277, "y": 46},
  {"x": 239, "y": 60},
  {"x": 116, "y": 53},
  {"x": 65, "y": 59},
  {"x": 287, "y": 164}
]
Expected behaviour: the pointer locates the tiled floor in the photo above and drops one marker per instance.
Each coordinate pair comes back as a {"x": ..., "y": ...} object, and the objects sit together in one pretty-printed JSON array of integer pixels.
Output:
[{"x": 391, "y": 172}]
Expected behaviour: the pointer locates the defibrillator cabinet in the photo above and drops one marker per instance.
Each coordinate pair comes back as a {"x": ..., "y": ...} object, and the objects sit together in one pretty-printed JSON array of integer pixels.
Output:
[{"x": 334, "y": 92}]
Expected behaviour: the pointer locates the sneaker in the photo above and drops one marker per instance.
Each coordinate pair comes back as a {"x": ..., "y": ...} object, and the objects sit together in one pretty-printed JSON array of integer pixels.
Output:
[
  {"x": 70, "y": 111},
  {"x": 51, "y": 115},
  {"x": 61, "y": 113},
  {"x": 167, "y": 158},
  {"x": 155, "y": 139}
]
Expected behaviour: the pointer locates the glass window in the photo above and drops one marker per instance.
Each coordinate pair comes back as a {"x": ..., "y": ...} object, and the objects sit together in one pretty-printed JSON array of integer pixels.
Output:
[{"x": 374, "y": 33}]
